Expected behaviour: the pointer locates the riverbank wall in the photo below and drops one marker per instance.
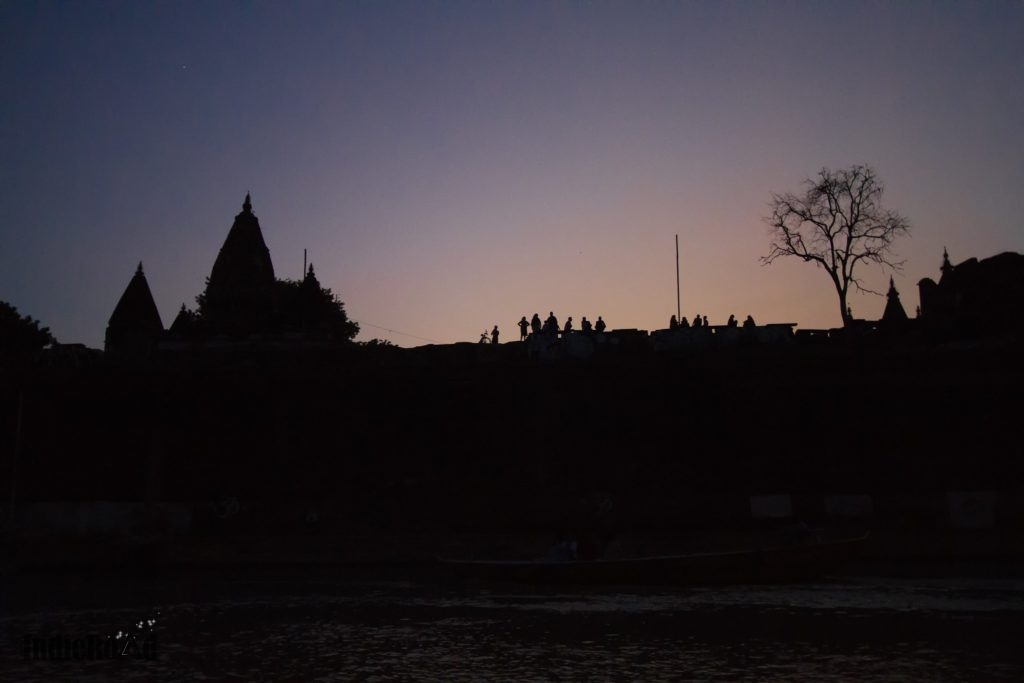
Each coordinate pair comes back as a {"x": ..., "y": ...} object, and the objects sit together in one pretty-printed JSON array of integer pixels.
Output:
[{"x": 437, "y": 442}]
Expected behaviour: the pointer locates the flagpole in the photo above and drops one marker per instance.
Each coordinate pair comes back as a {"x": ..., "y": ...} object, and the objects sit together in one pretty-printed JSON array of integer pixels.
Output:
[{"x": 679, "y": 311}]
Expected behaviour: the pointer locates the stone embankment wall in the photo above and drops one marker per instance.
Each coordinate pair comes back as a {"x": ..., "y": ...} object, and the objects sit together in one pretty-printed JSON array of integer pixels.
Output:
[{"x": 482, "y": 439}]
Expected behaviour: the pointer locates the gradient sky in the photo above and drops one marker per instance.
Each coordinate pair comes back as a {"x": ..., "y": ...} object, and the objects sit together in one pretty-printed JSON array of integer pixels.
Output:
[{"x": 454, "y": 165}]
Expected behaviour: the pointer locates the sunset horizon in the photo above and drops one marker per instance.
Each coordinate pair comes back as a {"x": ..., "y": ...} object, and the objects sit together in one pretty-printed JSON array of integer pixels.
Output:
[{"x": 453, "y": 167}]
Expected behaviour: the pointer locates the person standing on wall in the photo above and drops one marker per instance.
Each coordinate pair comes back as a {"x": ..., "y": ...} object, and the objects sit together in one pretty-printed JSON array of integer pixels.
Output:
[{"x": 524, "y": 329}]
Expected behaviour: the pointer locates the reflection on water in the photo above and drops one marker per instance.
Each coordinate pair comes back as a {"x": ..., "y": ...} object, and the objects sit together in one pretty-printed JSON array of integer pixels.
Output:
[{"x": 874, "y": 630}]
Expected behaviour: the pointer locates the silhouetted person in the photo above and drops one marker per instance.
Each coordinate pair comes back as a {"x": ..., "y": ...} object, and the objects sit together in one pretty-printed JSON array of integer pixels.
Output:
[
  {"x": 696, "y": 320},
  {"x": 568, "y": 325},
  {"x": 732, "y": 321},
  {"x": 684, "y": 322},
  {"x": 585, "y": 325},
  {"x": 494, "y": 335},
  {"x": 483, "y": 337},
  {"x": 673, "y": 323},
  {"x": 524, "y": 328},
  {"x": 599, "y": 326},
  {"x": 535, "y": 325},
  {"x": 705, "y": 323},
  {"x": 551, "y": 324},
  {"x": 749, "y": 322}
]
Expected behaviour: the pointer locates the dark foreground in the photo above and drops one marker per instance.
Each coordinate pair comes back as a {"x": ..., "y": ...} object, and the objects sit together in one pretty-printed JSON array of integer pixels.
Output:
[{"x": 860, "y": 628}]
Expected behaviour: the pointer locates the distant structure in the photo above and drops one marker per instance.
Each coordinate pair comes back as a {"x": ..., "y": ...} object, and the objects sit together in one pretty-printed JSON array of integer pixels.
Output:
[
  {"x": 184, "y": 324},
  {"x": 243, "y": 302},
  {"x": 239, "y": 295},
  {"x": 975, "y": 297},
  {"x": 894, "y": 313},
  {"x": 135, "y": 327}
]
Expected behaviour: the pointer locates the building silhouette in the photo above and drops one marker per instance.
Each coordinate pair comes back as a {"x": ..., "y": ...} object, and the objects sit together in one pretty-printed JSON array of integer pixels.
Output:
[
  {"x": 184, "y": 325},
  {"x": 894, "y": 313},
  {"x": 975, "y": 297},
  {"x": 239, "y": 297},
  {"x": 135, "y": 327},
  {"x": 243, "y": 300}
]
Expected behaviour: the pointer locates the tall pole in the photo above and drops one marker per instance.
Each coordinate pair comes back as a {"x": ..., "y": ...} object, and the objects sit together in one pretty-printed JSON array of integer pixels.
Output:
[
  {"x": 679, "y": 312},
  {"x": 303, "y": 265}
]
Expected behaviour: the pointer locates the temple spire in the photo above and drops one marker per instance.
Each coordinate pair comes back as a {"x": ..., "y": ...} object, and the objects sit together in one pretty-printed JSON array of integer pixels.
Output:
[
  {"x": 894, "y": 312},
  {"x": 135, "y": 325},
  {"x": 240, "y": 291}
]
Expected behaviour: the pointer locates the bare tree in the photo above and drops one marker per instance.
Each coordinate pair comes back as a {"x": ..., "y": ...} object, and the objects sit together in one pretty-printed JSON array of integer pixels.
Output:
[{"x": 837, "y": 223}]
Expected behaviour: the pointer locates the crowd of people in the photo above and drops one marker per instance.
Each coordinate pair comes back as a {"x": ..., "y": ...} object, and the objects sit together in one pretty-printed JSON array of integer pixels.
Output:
[
  {"x": 702, "y": 321},
  {"x": 534, "y": 326},
  {"x": 550, "y": 326}
]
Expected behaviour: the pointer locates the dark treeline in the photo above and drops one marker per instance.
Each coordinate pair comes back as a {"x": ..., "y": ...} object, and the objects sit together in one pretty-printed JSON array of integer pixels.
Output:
[{"x": 468, "y": 437}]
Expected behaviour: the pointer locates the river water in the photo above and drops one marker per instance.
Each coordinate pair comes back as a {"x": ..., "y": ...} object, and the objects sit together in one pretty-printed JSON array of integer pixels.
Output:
[{"x": 864, "y": 629}]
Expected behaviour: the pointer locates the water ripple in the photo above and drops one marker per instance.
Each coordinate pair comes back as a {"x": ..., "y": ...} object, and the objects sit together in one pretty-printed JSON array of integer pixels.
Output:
[{"x": 868, "y": 630}]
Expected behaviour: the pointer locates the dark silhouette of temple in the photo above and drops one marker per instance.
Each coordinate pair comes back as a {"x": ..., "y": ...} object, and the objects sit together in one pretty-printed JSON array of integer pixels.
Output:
[
  {"x": 135, "y": 326},
  {"x": 243, "y": 301},
  {"x": 894, "y": 313},
  {"x": 975, "y": 298},
  {"x": 239, "y": 295},
  {"x": 184, "y": 325}
]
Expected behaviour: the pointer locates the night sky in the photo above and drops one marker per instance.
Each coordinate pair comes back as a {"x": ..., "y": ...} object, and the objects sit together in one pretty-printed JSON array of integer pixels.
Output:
[{"x": 451, "y": 166}]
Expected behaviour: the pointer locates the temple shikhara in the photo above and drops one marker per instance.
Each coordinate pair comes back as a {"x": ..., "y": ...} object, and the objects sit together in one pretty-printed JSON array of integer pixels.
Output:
[
  {"x": 240, "y": 292},
  {"x": 135, "y": 322},
  {"x": 243, "y": 301}
]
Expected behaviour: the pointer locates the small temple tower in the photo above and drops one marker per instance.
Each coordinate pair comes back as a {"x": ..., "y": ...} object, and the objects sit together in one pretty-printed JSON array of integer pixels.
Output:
[
  {"x": 947, "y": 267},
  {"x": 934, "y": 301},
  {"x": 894, "y": 312},
  {"x": 239, "y": 296},
  {"x": 184, "y": 324},
  {"x": 309, "y": 281},
  {"x": 135, "y": 326}
]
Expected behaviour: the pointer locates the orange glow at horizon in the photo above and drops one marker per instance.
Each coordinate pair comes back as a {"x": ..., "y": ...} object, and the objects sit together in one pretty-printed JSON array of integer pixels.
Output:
[{"x": 451, "y": 167}]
